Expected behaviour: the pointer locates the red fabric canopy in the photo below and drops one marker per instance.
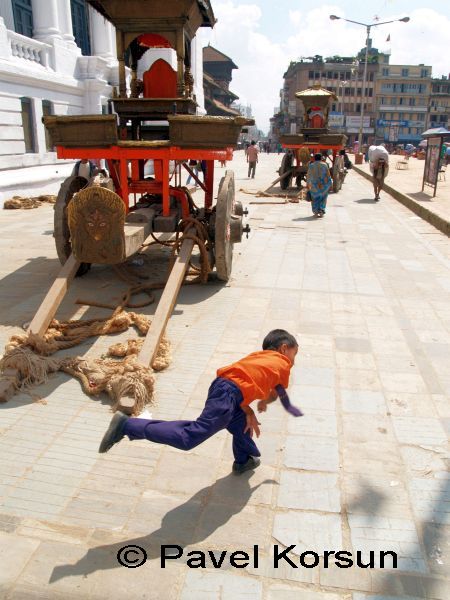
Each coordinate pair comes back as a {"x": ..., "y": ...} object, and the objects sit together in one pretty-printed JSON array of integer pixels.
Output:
[{"x": 153, "y": 40}]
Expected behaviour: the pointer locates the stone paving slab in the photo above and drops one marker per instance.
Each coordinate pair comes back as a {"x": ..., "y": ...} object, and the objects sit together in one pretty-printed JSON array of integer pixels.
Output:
[{"x": 367, "y": 291}]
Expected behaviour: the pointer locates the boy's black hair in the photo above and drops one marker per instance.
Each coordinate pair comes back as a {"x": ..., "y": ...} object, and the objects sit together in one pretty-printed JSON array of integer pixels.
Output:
[{"x": 275, "y": 338}]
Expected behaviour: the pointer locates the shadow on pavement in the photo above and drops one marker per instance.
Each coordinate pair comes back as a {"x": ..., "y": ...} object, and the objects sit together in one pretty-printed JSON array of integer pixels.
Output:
[
  {"x": 365, "y": 201},
  {"x": 420, "y": 196},
  {"x": 184, "y": 525}
]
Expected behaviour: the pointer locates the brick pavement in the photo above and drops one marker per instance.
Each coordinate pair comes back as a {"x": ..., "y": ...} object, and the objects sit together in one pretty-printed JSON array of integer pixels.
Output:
[{"x": 366, "y": 291}]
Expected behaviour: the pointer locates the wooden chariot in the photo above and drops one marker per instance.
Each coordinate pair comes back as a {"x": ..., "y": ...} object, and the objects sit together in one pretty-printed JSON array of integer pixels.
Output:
[
  {"x": 314, "y": 137},
  {"x": 155, "y": 122}
]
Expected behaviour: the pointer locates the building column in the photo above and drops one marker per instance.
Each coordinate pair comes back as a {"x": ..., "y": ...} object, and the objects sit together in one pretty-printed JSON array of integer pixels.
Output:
[
  {"x": 45, "y": 20},
  {"x": 65, "y": 21},
  {"x": 38, "y": 127},
  {"x": 100, "y": 35},
  {"x": 6, "y": 12},
  {"x": 197, "y": 74}
]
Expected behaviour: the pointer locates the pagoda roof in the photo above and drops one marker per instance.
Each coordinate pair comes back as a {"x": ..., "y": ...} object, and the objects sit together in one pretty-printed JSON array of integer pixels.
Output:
[{"x": 211, "y": 54}]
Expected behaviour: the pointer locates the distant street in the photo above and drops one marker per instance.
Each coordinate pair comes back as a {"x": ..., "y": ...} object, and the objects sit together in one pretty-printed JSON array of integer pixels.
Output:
[{"x": 366, "y": 290}]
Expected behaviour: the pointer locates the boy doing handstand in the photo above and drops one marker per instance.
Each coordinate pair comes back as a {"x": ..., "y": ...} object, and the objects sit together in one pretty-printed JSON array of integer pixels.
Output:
[{"x": 261, "y": 375}]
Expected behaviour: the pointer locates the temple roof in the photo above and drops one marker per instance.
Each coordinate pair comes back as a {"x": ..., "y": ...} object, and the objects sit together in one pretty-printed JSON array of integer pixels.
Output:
[
  {"x": 107, "y": 9},
  {"x": 210, "y": 54}
]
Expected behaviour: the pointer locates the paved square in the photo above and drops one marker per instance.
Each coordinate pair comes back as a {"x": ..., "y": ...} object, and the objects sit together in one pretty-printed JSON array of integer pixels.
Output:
[{"x": 366, "y": 292}]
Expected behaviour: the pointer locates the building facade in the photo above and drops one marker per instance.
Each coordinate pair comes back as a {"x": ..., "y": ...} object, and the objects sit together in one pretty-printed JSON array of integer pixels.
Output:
[
  {"x": 396, "y": 102},
  {"x": 402, "y": 96},
  {"x": 344, "y": 77},
  {"x": 439, "y": 105},
  {"x": 56, "y": 57}
]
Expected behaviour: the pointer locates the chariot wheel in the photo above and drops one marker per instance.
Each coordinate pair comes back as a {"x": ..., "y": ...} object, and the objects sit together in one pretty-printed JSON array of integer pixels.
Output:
[
  {"x": 336, "y": 176},
  {"x": 61, "y": 231},
  {"x": 227, "y": 226},
  {"x": 286, "y": 165}
]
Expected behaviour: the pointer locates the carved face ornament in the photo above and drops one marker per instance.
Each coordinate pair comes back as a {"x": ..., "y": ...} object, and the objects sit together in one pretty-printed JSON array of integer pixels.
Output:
[{"x": 97, "y": 223}]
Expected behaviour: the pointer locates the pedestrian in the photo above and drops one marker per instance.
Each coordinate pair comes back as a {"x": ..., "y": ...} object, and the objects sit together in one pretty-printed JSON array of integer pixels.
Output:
[
  {"x": 379, "y": 167},
  {"x": 252, "y": 158},
  {"x": 195, "y": 167},
  {"x": 262, "y": 375},
  {"x": 84, "y": 168},
  {"x": 319, "y": 183}
]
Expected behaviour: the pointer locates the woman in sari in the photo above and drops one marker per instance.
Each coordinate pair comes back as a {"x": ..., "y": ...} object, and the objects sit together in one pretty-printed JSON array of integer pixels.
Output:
[{"x": 319, "y": 184}]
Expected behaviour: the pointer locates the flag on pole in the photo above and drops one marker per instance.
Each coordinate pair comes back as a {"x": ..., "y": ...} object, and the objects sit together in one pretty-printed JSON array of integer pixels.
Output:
[{"x": 388, "y": 39}]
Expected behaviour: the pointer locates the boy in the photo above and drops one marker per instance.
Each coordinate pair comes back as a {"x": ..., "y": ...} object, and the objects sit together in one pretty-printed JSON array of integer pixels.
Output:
[{"x": 227, "y": 406}]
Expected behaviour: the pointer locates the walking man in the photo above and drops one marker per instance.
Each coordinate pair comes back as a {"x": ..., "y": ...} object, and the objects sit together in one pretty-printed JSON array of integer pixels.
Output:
[{"x": 252, "y": 159}]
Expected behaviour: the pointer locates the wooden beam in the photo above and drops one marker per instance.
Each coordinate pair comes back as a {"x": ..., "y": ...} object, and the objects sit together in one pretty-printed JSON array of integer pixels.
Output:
[
  {"x": 53, "y": 299},
  {"x": 41, "y": 319},
  {"x": 163, "y": 311},
  {"x": 166, "y": 304},
  {"x": 290, "y": 172}
]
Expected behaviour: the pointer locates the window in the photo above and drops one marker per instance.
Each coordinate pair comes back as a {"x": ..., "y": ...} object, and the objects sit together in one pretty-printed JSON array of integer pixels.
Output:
[
  {"x": 370, "y": 77},
  {"x": 370, "y": 93},
  {"x": 329, "y": 75},
  {"x": 358, "y": 108},
  {"x": 47, "y": 110},
  {"x": 405, "y": 72},
  {"x": 348, "y": 75},
  {"x": 342, "y": 76},
  {"x": 347, "y": 91},
  {"x": 28, "y": 125},
  {"x": 80, "y": 25},
  {"x": 385, "y": 72},
  {"x": 424, "y": 73},
  {"x": 412, "y": 101},
  {"x": 23, "y": 17},
  {"x": 311, "y": 74}
]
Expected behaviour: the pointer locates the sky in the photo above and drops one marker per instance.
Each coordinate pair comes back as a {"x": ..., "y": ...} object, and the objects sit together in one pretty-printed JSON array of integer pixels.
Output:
[{"x": 263, "y": 36}]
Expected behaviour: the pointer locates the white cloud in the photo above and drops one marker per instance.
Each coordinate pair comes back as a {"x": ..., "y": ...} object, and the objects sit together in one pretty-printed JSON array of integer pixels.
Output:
[
  {"x": 295, "y": 17},
  {"x": 262, "y": 62}
]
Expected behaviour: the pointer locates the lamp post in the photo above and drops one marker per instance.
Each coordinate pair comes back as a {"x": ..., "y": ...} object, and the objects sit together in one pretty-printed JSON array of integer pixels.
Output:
[{"x": 363, "y": 91}]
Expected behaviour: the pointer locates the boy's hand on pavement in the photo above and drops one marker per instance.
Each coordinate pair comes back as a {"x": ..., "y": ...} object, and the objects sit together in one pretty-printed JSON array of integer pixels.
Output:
[{"x": 252, "y": 424}]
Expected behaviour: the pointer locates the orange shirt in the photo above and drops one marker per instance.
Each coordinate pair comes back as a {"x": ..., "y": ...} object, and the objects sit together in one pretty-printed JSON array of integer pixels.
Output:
[{"x": 257, "y": 374}]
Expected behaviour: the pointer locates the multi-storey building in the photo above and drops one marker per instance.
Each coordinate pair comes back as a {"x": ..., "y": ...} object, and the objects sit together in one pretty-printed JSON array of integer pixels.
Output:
[
  {"x": 402, "y": 95},
  {"x": 439, "y": 105},
  {"x": 396, "y": 101},
  {"x": 56, "y": 57},
  {"x": 344, "y": 77},
  {"x": 217, "y": 74}
]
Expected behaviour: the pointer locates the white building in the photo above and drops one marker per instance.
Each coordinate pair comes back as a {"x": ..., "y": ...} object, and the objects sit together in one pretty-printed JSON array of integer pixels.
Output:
[{"x": 56, "y": 57}]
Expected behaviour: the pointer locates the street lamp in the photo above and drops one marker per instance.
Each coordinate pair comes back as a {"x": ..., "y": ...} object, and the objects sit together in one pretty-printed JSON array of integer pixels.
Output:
[{"x": 363, "y": 94}]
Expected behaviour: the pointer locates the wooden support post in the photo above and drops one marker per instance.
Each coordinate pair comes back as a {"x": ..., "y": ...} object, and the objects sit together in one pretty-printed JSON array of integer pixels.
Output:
[
  {"x": 163, "y": 311},
  {"x": 42, "y": 318}
]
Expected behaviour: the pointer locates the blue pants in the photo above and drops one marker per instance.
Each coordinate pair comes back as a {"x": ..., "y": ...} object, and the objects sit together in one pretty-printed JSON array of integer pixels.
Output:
[
  {"x": 222, "y": 411},
  {"x": 319, "y": 203}
]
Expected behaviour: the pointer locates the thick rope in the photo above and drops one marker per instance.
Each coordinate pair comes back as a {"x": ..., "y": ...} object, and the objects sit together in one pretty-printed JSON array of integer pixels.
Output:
[{"x": 121, "y": 374}]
